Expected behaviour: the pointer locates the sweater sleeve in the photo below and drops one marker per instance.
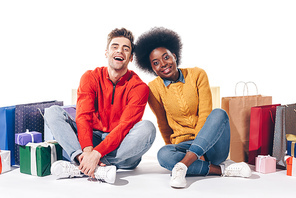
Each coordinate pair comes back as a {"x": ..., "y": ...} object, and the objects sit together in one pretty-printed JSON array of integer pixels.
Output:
[
  {"x": 132, "y": 113},
  {"x": 205, "y": 98},
  {"x": 85, "y": 108},
  {"x": 157, "y": 108}
]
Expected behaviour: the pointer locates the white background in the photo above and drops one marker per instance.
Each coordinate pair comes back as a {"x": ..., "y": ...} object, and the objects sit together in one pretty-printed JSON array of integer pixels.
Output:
[{"x": 45, "y": 46}]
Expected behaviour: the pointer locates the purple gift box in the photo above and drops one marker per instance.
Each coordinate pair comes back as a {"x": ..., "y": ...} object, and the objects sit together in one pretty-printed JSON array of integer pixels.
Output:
[{"x": 25, "y": 138}]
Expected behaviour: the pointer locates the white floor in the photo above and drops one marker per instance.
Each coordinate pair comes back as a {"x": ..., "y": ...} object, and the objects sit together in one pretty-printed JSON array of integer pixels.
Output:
[{"x": 147, "y": 180}]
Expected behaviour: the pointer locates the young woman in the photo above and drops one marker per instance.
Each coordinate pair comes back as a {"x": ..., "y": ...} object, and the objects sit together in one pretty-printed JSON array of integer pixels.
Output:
[{"x": 197, "y": 138}]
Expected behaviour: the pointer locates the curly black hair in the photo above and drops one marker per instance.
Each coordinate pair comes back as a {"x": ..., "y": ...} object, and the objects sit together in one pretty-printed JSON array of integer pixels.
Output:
[{"x": 152, "y": 39}]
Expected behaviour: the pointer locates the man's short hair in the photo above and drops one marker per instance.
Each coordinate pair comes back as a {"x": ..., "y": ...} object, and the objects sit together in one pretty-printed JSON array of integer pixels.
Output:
[{"x": 121, "y": 33}]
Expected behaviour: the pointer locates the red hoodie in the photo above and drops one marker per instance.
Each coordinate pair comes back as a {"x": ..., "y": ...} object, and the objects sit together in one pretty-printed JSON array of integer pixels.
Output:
[{"x": 108, "y": 107}]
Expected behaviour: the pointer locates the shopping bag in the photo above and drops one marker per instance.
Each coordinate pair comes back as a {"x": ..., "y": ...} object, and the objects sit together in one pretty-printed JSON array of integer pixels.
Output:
[
  {"x": 285, "y": 123},
  {"x": 238, "y": 109},
  {"x": 262, "y": 121},
  {"x": 7, "y": 117},
  {"x": 29, "y": 116}
]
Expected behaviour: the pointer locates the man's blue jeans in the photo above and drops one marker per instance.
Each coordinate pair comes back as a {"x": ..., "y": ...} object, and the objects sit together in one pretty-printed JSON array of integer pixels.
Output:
[
  {"x": 212, "y": 142},
  {"x": 126, "y": 156}
]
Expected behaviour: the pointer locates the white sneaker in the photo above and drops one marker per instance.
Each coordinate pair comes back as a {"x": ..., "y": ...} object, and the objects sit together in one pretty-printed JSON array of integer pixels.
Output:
[
  {"x": 240, "y": 169},
  {"x": 106, "y": 173},
  {"x": 65, "y": 169},
  {"x": 178, "y": 176}
]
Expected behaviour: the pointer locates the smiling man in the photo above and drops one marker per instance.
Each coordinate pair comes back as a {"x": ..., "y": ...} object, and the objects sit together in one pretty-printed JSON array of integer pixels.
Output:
[{"x": 110, "y": 104}]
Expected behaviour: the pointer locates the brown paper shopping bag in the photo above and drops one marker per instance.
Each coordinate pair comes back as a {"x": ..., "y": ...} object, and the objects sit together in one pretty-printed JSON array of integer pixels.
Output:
[{"x": 238, "y": 109}]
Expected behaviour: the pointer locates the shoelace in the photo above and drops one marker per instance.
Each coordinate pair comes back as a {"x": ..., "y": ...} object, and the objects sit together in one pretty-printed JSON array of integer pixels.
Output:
[
  {"x": 233, "y": 170},
  {"x": 71, "y": 169},
  {"x": 178, "y": 172}
]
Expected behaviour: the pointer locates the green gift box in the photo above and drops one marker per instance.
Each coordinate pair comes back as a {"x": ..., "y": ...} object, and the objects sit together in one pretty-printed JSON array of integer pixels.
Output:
[{"x": 36, "y": 158}]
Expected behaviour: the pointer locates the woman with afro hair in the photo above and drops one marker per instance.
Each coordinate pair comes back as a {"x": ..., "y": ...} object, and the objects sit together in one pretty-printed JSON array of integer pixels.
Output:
[{"x": 197, "y": 139}]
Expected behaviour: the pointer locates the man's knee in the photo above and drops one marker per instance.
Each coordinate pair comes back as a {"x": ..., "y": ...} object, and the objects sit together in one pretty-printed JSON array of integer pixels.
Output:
[
  {"x": 147, "y": 129},
  {"x": 52, "y": 113}
]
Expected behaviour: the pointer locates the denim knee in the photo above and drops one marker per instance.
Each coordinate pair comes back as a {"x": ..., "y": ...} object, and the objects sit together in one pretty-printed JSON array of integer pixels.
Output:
[
  {"x": 164, "y": 157},
  {"x": 220, "y": 113},
  {"x": 53, "y": 113},
  {"x": 147, "y": 129}
]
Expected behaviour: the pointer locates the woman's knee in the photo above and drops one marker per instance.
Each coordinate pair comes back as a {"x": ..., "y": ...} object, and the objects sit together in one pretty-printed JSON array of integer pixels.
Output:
[
  {"x": 220, "y": 113},
  {"x": 164, "y": 157}
]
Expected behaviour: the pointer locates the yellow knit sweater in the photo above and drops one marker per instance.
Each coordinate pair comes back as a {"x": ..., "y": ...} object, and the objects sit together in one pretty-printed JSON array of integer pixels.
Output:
[{"x": 181, "y": 109}]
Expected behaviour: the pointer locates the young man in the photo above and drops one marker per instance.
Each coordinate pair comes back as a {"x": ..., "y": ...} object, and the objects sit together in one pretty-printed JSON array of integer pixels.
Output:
[{"x": 110, "y": 105}]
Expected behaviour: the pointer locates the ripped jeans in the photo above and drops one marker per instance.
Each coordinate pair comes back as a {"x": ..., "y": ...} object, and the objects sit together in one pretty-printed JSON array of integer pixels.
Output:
[{"x": 212, "y": 142}]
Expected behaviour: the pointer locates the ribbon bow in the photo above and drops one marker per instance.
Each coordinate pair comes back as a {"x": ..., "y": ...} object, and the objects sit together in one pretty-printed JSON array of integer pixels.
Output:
[
  {"x": 28, "y": 132},
  {"x": 291, "y": 137}
]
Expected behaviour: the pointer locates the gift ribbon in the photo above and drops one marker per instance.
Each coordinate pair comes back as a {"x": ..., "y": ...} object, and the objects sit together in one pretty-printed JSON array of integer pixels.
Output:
[
  {"x": 293, "y": 167},
  {"x": 292, "y": 148},
  {"x": 18, "y": 137},
  {"x": 261, "y": 157},
  {"x": 53, "y": 154}
]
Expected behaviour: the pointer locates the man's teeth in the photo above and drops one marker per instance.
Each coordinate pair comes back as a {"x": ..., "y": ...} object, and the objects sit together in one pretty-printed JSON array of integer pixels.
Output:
[{"x": 118, "y": 58}]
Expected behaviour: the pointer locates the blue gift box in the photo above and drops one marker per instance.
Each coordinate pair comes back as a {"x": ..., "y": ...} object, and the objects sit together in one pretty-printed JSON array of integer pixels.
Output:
[
  {"x": 27, "y": 137},
  {"x": 291, "y": 148}
]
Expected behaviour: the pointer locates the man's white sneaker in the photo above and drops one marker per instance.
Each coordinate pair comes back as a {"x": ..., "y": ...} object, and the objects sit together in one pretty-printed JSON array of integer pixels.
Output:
[
  {"x": 106, "y": 173},
  {"x": 65, "y": 169},
  {"x": 240, "y": 169},
  {"x": 178, "y": 176}
]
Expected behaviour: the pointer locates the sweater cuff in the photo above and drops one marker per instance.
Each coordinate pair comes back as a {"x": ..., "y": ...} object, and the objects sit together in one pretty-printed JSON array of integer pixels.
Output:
[{"x": 102, "y": 150}]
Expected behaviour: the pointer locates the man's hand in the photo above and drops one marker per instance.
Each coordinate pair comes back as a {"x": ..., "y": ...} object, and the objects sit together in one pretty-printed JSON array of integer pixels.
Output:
[{"x": 89, "y": 160}]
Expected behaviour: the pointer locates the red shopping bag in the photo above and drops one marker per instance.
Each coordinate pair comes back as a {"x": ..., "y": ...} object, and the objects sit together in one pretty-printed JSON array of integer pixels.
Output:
[{"x": 262, "y": 121}]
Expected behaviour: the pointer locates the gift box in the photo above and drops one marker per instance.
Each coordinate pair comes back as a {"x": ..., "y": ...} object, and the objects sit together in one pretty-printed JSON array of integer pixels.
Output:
[
  {"x": 265, "y": 164},
  {"x": 36, "y": 158},
  {"x": 27, "y": 137},
  {"x": 4, "y": 161},
  {"x": 291, "y": 148},
  {"x": 291, "y": 166},
  {"x": 291, "y": 139}
]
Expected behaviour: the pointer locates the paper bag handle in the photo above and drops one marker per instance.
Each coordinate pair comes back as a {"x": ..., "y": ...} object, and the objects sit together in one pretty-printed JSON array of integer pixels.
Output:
[{"x": 246, "y": 87}]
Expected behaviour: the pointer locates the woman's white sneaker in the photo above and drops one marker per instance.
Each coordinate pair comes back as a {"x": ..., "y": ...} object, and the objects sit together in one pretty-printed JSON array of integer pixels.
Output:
[
  {"x": 240, "y": 169},
  {"x": 178, "y": 176}
]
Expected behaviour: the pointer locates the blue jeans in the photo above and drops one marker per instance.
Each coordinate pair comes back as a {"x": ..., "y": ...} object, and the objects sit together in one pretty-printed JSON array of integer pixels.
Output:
[
  {"x": 126, "y": 156},
  {"x": 212, "y": 142}
]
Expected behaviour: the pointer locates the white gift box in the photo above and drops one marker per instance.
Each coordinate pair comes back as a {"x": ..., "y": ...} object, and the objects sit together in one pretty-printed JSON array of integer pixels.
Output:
[{"x": 4, "y": 161}]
